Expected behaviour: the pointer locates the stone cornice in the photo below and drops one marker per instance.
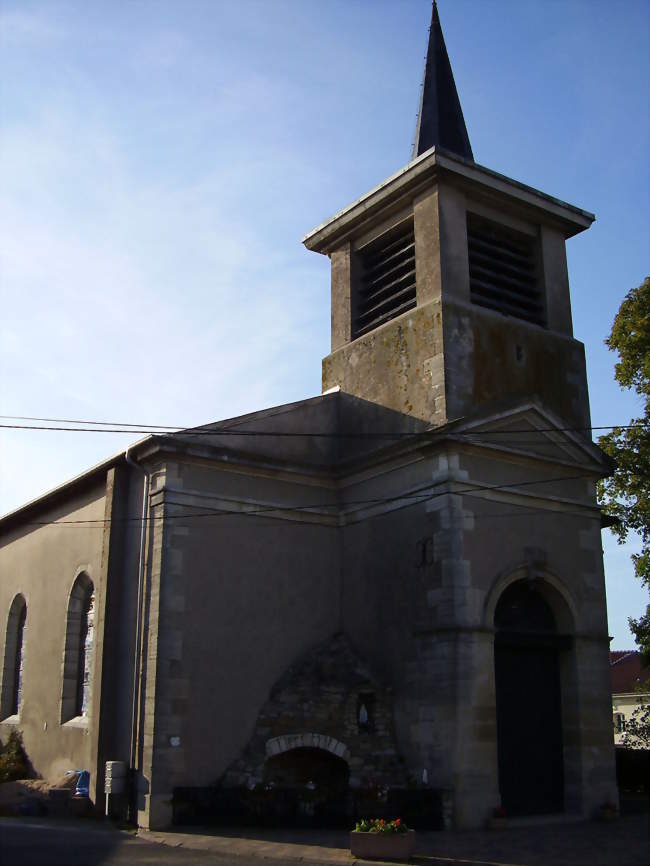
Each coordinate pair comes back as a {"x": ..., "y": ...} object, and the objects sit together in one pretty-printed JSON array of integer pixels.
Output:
[{"x": 418, "y": 174}]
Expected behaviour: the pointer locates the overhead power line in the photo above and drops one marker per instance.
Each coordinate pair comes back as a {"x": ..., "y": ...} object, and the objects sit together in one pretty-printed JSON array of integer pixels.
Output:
[
  {"x": 118, "y": 427},
  {"x": 85, "y": 421}
]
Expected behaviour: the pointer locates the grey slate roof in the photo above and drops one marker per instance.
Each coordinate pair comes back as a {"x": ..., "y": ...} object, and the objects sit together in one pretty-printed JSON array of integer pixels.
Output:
[
  {"x": 350, "y": 429},
  {"x": 440, "y": 118}
]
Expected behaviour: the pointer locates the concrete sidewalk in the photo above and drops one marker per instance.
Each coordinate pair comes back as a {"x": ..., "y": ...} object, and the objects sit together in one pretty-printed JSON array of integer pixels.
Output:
[{"x": 622, "y": 843}]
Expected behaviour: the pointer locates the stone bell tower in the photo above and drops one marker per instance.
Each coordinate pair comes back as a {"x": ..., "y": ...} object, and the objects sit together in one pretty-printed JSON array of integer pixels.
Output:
[
  {"x": 450, "y": 303},
  {"x": 449, "y": 281}
]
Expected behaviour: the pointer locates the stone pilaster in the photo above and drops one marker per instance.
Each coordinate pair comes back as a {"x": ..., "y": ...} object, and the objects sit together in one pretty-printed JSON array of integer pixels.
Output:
[{"x": 166, "y": 695}]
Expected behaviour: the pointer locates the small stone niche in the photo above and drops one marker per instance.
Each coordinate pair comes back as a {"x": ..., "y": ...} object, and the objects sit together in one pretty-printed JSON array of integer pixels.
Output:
[{"x": 366, "y": 712}]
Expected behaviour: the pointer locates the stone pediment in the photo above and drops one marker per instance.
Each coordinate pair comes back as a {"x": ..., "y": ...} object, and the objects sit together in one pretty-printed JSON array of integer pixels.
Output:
[{"x": 535, "y": 431}]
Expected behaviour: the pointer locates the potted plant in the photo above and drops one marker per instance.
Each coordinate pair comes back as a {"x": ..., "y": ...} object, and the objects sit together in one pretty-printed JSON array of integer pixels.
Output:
[{"x": 379, "y": 839}]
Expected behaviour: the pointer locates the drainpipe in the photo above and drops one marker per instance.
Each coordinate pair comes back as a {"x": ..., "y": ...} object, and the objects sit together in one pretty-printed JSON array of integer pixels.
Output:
[{"x": 138, "y": 627}]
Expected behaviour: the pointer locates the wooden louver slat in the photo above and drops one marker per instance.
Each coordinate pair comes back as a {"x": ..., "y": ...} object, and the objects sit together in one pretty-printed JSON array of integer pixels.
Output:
[
  {"x": 386, "y": 286},
  {"x": 503, "y": 270}
]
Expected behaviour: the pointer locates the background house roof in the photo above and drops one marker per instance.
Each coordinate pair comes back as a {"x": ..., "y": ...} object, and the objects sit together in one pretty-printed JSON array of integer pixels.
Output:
[{"x": 627, "y": 672}]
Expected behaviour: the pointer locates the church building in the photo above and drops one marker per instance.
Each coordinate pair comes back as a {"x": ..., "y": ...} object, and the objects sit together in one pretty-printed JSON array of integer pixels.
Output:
[{"x": 395, "y": 585}]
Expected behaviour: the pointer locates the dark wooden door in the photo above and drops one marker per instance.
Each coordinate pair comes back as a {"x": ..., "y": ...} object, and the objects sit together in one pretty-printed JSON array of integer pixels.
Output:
[{"x": 529, "y": 727}]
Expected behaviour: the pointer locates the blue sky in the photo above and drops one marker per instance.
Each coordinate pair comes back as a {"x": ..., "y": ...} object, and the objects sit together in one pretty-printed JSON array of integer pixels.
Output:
[{"x": 160, "y": 161}]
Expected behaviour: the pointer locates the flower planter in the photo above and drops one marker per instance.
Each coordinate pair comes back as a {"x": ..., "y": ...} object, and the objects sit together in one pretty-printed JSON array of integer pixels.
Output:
[{"x": 382, "y": 846}]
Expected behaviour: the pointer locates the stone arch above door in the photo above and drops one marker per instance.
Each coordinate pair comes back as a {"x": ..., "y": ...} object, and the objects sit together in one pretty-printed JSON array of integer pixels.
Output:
[
  {"x": 553, "y": 590},
  {"x": 287, "y": 742}
]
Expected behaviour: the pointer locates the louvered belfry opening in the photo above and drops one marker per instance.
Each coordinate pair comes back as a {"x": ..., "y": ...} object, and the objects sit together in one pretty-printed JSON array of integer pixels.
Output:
[
  {"x": 503, "y": 272},
  {"x": 386, "y": 285}
]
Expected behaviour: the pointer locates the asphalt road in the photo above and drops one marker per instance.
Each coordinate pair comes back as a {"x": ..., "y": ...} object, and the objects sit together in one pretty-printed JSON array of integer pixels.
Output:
[
  {"x": 43, "y": 842},
  {"x": 35, "y": 843}
]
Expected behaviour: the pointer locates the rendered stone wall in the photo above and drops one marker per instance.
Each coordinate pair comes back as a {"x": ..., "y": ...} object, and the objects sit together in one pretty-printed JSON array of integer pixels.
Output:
[
  {"x": 399, "y": 365},
  {"x": 41, "y": 563},
  {"x": 231, "y": 602},
  {"x": 489, "y": 357}
]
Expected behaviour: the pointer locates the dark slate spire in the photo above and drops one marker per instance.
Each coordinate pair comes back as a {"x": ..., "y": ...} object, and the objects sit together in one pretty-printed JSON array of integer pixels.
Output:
[{"x": 440, "y": 118}]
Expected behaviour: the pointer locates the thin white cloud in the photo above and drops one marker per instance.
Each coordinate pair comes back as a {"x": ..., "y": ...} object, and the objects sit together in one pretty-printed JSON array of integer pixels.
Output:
[
  {"x": 128, "y": 296},
  {"x": 20, "y": 26}
]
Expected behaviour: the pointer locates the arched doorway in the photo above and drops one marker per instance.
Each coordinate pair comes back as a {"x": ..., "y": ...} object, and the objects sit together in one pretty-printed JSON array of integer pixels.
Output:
[
  {"x": 528, "y": 696},
  {"x": 301, "y": 767},
  {"x": 308, "y": 785}
]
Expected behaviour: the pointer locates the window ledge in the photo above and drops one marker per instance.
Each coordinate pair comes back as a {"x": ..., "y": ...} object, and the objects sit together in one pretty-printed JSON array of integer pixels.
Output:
[
  {"x": 11, "y": 720},
  {"x": 76, "y": 722}
]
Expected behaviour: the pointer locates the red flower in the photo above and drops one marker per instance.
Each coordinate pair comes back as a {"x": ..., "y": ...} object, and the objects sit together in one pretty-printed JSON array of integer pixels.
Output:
[{"x": 398, "y": 821}]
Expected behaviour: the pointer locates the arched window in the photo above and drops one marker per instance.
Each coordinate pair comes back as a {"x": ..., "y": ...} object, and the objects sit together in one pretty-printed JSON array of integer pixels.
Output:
[
  {"x": 79, "y": 638},
  {"x": 12, "y": 669}
]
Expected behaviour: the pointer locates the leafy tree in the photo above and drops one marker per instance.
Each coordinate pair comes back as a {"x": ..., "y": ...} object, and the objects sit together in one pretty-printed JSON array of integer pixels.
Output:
[
  {"x": 626, "y": 494},
  {"x": 14, "y": 763},
  {"x": 637, "y": 729}
]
